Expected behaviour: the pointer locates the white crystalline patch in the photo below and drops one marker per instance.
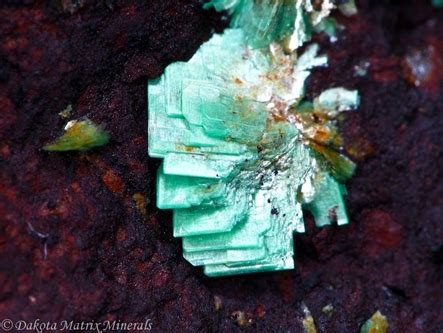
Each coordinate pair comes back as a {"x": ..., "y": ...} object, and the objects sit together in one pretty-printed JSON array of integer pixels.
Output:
[
  {"x": 265, "y": 94},
  {"x": 336, "y": 100},
  {"x": 285, "y": 87},
  {"x": 308, "y": 191},
  {"x": 326, "y": 7},
  {"x": 70, "y": 124}
]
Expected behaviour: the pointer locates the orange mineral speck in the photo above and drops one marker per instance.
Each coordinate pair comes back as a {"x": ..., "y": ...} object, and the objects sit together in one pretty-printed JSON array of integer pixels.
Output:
[
  {"x": 321, "y": 134},
  {"x": 278, "y": 117},
  {"x": 360, "y": 148}
]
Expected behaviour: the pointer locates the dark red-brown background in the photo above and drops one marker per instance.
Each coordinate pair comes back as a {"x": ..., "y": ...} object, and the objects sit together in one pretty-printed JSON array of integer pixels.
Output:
[{"x": 78, "y": 243}]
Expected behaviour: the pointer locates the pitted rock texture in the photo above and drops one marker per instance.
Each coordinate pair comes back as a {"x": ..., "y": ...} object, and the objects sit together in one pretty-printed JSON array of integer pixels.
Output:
[{"x": 81, "y": 238}]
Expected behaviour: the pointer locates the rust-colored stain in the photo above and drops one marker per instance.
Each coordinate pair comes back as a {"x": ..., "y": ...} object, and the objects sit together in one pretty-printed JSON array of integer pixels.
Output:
[
  {"x": 113, "y": 182},
  {"x": 423, "y": 65},
  {"x": 140, "y": 202}
]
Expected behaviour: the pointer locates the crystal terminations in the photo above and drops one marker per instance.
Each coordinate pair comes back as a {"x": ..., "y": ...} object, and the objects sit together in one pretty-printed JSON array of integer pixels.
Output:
[{"x": 241, "y": 153}]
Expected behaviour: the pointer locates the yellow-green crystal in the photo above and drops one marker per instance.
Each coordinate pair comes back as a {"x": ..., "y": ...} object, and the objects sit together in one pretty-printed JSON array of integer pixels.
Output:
[
  {"x": 79, "y": 135},
  {"x": 237, "y": 167},
  {"x": 378, "y": 323}
]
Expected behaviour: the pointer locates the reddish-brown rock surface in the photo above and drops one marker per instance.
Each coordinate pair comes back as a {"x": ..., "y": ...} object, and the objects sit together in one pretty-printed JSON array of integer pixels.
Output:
[{"x": 78, "y": 243}]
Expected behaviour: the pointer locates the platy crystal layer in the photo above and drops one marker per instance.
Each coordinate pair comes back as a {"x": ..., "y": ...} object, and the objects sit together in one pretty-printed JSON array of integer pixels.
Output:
[
  {"x": 238, "y": 163},
  {"x": 264, "y": 22}
]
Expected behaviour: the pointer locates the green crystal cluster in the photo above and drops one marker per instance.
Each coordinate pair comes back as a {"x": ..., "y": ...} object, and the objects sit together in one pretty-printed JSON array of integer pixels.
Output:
[
  {"x": 289, "y": 21},
  {"x": 240, "y": 156}
]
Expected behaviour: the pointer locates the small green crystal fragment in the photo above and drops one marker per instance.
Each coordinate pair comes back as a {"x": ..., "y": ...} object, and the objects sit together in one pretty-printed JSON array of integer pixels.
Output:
[
  {"x": 376, "y": 324},
  {"x": 338, "y": 165},
  {"x": 329, "y": 26},
  {"x": 437, "y": 3},
  {"x": 324, "y": 206},
  {"x": 240, "y": 155},
  {"x": 79, "y": 135}
]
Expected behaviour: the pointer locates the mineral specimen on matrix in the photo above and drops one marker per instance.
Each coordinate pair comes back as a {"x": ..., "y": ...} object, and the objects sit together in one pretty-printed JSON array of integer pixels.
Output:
[{"x": 243, "y": 150}]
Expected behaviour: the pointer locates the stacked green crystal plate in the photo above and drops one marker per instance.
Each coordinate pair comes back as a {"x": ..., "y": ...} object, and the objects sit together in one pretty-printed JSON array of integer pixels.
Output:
[
  {"x": 266, "y": 21},
  {"x": 234, "y": 172}
]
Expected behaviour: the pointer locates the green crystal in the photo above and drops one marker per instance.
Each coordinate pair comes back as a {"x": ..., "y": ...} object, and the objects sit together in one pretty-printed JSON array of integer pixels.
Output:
[
  {"x": 437, "y": 3},
  {"x": 378, "y": 323},
  {"x": 79, "y": 135},
  {"x": 237, "y": 165},
  {"x": 266, "y": 21}
]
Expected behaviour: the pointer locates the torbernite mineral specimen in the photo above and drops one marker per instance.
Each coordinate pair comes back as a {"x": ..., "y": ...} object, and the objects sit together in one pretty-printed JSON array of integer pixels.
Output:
[{"x": 243, "y": 150}]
